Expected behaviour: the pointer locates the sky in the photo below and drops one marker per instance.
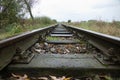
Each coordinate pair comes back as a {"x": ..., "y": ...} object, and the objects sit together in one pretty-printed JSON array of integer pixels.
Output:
[{"x": 78, "y": 10}]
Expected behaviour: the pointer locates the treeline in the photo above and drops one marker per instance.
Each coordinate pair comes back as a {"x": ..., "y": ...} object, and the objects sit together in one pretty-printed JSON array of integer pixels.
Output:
[{"x": 39, "y": 20}]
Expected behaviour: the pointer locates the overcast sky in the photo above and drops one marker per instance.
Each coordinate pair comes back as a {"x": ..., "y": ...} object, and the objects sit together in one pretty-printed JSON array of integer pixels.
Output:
[{"x": 78, "y": 10}]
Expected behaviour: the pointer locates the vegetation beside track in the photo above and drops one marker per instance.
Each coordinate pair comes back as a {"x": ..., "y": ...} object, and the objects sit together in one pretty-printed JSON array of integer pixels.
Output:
[
  {"x": 25, "y": 25},
  {"x": 13, "y": 18},
  {"x": 110, "y": 28}
]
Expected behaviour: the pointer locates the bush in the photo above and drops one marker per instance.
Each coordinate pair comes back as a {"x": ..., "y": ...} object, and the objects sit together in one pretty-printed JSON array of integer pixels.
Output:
[
  {"x": 43, "y": 20},
  {"x": 16, "y": 29},
  {"x": 9, "y": 27},
  {"x": 24, "y": 25}
]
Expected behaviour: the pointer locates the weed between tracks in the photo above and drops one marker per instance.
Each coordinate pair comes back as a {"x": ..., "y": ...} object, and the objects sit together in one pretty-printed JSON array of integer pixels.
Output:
[{"x": 49, "y": 38}]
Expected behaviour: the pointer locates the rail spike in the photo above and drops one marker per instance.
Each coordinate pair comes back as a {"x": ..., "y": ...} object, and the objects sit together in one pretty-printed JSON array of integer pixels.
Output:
[
  {"x": 22, "y": 56},
  {"x": 115, "y": 58}
]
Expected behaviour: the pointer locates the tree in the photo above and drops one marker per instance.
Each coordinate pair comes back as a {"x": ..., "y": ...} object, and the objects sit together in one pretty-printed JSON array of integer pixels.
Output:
[
  {"x": 8, "y": 12},
  {"x": 29, "y": 8},
  {"x": 54, "y": 20},
  {"x": 69, "y": 21},
  {"x": 11, "y": 11}
]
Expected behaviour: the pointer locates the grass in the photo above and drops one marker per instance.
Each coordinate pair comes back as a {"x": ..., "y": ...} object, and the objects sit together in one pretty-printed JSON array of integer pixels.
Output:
[
  {"x": 49, "y": 38},
  {"x": 53, "y": 38},
  {"x": 24, "y": 25},
  {"x": 110, "y": 28},
  {"x": 14, "y": 30}
]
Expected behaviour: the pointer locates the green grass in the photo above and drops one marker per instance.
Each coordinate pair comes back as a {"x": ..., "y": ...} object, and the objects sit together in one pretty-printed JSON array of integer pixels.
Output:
[
  {"x": 53, "y": 38},
  {"x": 49, "y": 38},
  {"x": 14, "y": 30},
  {"x": 23, "y": 25}
]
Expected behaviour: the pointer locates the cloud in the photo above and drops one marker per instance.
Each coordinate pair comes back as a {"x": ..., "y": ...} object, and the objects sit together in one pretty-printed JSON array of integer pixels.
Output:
[
  {"x": 107, "y": 4},
  {"x": 77, "y": 10}
]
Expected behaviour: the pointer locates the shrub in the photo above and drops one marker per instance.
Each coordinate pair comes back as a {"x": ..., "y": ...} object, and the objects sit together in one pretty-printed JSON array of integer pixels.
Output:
[{"x": 16, "y": 29}]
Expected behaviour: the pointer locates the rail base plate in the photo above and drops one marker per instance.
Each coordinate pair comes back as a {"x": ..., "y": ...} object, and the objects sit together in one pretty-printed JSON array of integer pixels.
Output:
[
  {"x": 25, "y": 60},
  {"x": 101, "y": 60}
]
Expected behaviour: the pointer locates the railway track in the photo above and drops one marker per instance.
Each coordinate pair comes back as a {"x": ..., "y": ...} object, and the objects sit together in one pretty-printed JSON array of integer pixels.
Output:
[{"x": 61, "y": 50}]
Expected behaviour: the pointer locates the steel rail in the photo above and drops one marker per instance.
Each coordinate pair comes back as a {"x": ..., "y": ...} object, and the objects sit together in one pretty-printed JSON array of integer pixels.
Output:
[
  {"x": 23, "y": 41},
  {"x": 109, "y": 45}
]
